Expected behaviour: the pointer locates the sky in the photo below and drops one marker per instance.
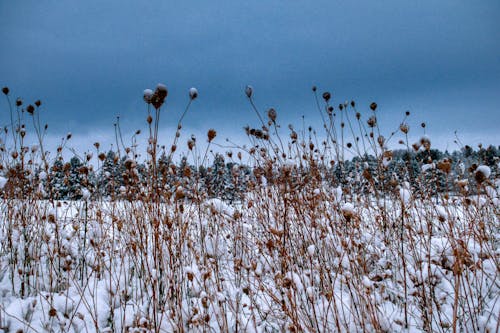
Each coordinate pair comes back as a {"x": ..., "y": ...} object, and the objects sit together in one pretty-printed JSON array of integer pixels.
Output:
[{"x": 89, "y": 62}]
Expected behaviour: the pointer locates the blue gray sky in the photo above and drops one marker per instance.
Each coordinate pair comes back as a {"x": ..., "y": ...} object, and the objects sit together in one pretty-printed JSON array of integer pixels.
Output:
[{"x": 89, "y": 61}]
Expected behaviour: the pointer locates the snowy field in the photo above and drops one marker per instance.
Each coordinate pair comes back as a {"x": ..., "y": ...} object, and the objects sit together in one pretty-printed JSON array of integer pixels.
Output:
[{"x": 308, "y": 260}]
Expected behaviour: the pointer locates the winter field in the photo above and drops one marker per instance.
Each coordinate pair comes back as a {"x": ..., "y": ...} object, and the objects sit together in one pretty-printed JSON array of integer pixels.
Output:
[{"x": 299, "y": 238}]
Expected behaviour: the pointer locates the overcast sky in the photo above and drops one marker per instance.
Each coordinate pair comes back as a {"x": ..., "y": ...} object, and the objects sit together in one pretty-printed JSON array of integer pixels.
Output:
[{"x": 89, "y": 61}]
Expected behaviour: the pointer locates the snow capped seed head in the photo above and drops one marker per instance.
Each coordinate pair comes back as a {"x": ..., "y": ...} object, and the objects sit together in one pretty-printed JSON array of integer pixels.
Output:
[
  {"x": 482, "y": 173},
  {"x": 193, "y": 93},
  {"x": 147, "y": 95},
  {"x": 271, "y": 113},
  {"x": 5, "y": 90},
  {"x": 158, "y": 97},
  {"x": 249, "y": 91},
  {"x": 161, "y": 88},
  {"x": 347, "y": 210},
  {"x": 327, "y": 96}
]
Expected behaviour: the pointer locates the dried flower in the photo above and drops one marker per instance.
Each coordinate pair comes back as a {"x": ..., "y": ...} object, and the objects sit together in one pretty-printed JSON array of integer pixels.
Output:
[
  {"x": 38, "y": 103},
  {"x": 5, "y": 90},
  {"x": 373, "y": 106}
]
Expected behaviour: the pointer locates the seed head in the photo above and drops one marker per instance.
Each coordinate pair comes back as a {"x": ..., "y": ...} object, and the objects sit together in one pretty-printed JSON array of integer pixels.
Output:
[
  {"x": 5, "y": 90},
  {"x": 30, "y": 109},
  {"x": 404, "y": 128},
  {"x": 373, "y": 106},
  {"x": 327, "y": 96},
  {"x": 52, "y": 312},
  {"x": 353, "y": 104},
  {"x": 314, "y": 88},
  {"x": 249, "y": 91},
  {"x": 381, "y": 141},
  {"x": 38, "y": 103},
  {"x": 425, "y": 142},
  {"x": 193, "y": 93},
  {"x": 271, "y": 113},
  {"x": 19, "y": 101},
  {"x": 372, "y": 122},
  {"x": 211, "y": 134}
]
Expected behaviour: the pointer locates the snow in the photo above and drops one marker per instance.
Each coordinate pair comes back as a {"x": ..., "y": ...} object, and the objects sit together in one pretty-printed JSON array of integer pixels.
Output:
[
  {"x": 227, "y": 268},
  {"x": 427, "y": 167},
  {"x": 404, "y": 195},
  {"x": 3, "y": 181},
  {"x": 85, "y": 194},
  {"x": 347, "y": 208}
]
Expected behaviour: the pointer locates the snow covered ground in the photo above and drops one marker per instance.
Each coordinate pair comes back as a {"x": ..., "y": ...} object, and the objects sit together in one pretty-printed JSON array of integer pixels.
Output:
[{"x": 307, "y": 260}]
